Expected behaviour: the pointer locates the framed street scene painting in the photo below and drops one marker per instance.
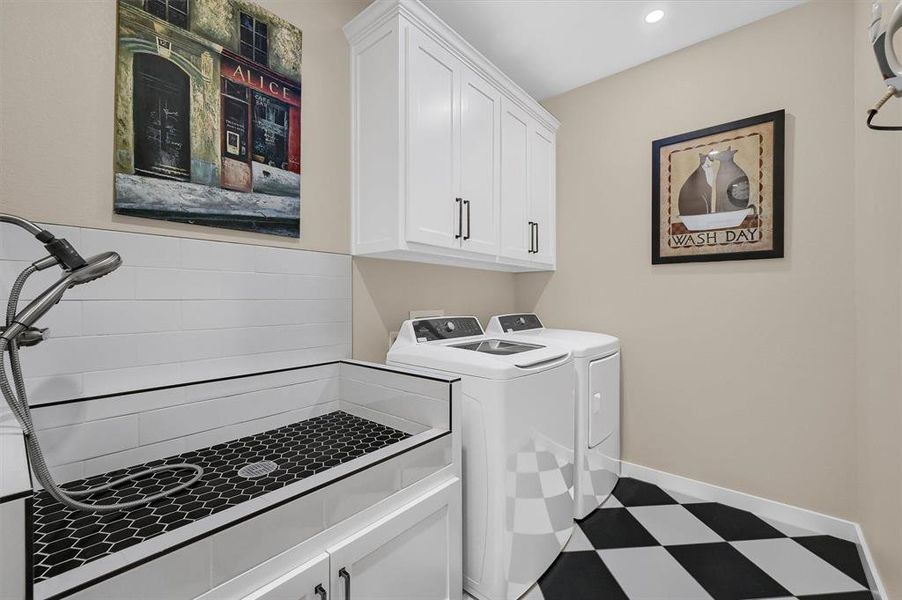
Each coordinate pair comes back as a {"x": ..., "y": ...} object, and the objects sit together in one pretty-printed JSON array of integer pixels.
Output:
[
  {"x": 717, "y": 193},
  {"x": 208, "y": 115}
]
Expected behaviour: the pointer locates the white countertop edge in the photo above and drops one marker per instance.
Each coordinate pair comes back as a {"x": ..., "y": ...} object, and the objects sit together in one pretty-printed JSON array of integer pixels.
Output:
[{"x": 138, "y": 552}]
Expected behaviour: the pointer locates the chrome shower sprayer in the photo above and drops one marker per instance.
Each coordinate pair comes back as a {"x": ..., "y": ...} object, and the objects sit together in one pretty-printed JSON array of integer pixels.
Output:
[{"x": 18, "y": 330}]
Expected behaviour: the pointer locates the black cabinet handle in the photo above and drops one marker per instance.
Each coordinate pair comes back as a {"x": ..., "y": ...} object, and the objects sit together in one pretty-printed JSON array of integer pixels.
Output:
[
  {"x": 343, "y": 573},
  {"x": 320, "y": 591},
  {"x": 537, "y": 238},
  {"x": 531, "y": 237},
  {"x": 467, "y": 202},
  {"x": 460, "y": 218}
]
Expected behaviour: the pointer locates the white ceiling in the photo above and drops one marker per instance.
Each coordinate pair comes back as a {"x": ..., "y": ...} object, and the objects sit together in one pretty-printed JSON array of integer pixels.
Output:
[{"x": 551, "y": 46}]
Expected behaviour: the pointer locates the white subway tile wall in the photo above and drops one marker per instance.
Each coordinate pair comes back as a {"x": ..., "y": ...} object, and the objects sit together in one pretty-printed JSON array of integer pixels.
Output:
[
  {"x": 179, "y": 310},
  {"x": 410, "y": 404},
  {"x": 94, "y": 436}
]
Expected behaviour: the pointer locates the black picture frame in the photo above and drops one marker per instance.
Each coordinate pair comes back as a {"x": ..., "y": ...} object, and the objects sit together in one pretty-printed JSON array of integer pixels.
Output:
[{"x": 779, "y": 119}]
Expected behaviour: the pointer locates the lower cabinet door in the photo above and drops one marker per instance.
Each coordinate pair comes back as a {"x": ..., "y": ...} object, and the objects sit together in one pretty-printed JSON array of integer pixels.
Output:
[
  {"x": 310, "y": 581},
  {"x": 413, "y": 553}
]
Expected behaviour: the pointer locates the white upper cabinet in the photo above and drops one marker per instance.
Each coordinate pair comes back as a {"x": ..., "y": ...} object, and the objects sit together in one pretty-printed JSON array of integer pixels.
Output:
[
  {"x": 480, "y": 104},
  {"x": 541, "y": 194},
  {"x": 452, "y": 163},
  {"x": 517, "y": 230},
  {"x": 433, "y": 143}
]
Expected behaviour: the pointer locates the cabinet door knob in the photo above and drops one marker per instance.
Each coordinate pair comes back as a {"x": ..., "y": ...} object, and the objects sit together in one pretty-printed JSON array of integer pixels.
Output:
[
  {"x": 343, "y": 573},
  {"x": 460, "y": 218},
  {"x": 320, "y": 591},
  {"x": 467, "y": 202}
]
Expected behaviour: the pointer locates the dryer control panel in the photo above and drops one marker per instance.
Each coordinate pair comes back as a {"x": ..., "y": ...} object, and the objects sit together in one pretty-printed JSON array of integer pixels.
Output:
[
  {"x": 446, "y": 328},
  {"x": 521, "y": 322}
]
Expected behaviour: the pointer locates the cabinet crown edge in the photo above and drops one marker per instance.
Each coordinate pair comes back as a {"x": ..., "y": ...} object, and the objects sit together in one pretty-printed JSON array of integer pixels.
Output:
[{"x": 414, "y": 11}]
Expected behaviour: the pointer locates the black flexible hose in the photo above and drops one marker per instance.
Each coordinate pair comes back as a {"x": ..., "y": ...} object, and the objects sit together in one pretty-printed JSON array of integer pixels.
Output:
[{"x": 873, "y": 113}]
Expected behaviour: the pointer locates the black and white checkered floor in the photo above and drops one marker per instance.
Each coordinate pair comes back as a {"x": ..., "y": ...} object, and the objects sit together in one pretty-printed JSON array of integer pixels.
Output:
[{"x": 645, "y": 543}]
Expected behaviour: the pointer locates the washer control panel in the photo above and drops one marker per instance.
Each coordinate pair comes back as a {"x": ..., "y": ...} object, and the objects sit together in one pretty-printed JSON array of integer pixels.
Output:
[
  {"x": 446, "y": 328},
  {"x": 521, "y": 322}
]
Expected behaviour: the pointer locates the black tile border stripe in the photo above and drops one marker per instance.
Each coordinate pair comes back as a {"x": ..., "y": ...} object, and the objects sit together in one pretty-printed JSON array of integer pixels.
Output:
[
  {"x": 243, "y": 376},
  {"x": 16, "y": 496}
]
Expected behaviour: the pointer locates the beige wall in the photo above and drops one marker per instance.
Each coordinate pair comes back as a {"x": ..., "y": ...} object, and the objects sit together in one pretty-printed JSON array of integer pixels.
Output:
[
  {"x": 735, "y": 373},
  {"x": 878, "y": 286},
  {"x": 385, "y": 291},
  {"x": 57, "y": 65},
  {"x": 780, "y": 377}
]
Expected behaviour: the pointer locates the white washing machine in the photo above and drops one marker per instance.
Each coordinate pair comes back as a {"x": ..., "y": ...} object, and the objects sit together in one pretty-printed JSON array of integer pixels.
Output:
[
  {"x": 517, "y": 439},
  {"x": 596, "y": 358}
]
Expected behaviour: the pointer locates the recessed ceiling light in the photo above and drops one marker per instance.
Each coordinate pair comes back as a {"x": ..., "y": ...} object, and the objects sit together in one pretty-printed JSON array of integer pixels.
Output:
[{"x": 654, "y": 16}]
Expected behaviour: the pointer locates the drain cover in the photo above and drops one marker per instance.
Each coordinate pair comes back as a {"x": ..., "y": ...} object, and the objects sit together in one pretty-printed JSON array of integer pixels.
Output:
[{"x": 257, "y": 469}]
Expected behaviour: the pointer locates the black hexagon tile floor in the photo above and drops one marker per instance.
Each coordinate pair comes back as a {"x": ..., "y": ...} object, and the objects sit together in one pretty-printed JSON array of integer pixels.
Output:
[{"x": 65, "y": 539}]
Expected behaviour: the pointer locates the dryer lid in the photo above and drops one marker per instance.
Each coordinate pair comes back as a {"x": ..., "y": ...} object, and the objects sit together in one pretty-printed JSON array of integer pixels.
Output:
[{"x": 528, "y": 328}]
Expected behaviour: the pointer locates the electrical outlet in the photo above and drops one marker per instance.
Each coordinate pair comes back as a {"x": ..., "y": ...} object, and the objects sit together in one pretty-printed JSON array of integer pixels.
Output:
[{"x": 425, "y": 314}]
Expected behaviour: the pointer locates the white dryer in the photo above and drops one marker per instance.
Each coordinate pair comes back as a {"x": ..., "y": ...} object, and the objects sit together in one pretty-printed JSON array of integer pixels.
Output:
[
  {"x": 596, "y": 358},
  {"x": 517, "y": 439}
]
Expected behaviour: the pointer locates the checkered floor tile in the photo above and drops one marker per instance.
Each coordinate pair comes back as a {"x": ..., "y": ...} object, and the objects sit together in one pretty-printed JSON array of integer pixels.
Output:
[{"x": 649, "y": 544}]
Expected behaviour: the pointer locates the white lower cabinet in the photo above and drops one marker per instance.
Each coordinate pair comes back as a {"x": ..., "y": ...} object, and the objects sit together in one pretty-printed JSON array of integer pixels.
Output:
[
  {"x": 412, "y": 553},
  {"x": 310, "y": 581}
]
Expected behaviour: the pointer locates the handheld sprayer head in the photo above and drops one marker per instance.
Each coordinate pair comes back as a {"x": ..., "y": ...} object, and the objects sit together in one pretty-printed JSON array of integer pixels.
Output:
[{"x": 94, "y": 268}]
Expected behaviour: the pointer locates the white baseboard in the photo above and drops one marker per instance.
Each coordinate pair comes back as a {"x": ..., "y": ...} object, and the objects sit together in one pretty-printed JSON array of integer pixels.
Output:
[
  {"x": 874, "y": 581},
  {"x": 771, "y": 509}
]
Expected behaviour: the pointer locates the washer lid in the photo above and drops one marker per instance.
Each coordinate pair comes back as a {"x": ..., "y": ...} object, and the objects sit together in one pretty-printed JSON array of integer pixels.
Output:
[
  {"x": 498, "y": 347},
  {"x": 449, "y": 344},
  {"x": 487, "y": 365}
]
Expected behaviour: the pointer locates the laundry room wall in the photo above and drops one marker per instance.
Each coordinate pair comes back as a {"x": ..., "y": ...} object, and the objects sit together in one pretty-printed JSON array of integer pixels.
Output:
[
  {"x": 780, "y": 377},
  {"x": 57, "y": 60},
  {"x": 735, "y": 373},
  {"x": 878, "y": 312}
]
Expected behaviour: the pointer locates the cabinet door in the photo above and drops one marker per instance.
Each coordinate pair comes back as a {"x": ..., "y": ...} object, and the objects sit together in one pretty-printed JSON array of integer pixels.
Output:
[
  {"x": 411, "y": 554},
  {"x": 542, "y": 193},
  {"x": 515, "y": 216},
  {"x": 309, "y": 581},
  {"x": 433, "y": 74},
  {"x": 479, "y": 162}
]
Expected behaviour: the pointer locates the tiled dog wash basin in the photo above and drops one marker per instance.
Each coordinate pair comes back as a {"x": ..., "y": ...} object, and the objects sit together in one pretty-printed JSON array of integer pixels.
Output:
[
  {"x": 332, "y": 429},
  {"x": 65, "y": 538}
]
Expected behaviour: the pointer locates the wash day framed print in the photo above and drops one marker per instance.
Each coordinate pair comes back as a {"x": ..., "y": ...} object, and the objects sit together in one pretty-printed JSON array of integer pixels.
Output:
[
  {"x": 717, "y": 193},
  {"x": 208, "y": 115}
]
